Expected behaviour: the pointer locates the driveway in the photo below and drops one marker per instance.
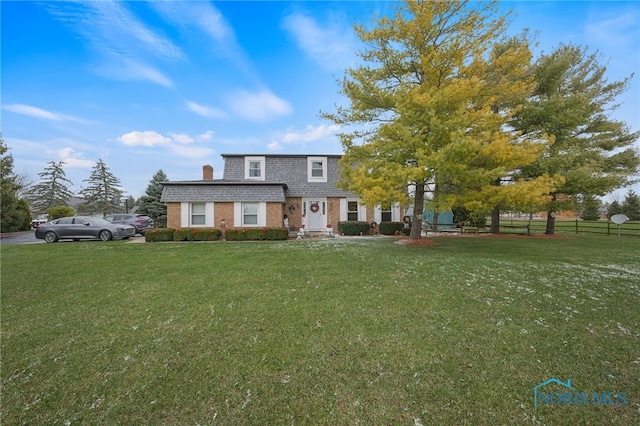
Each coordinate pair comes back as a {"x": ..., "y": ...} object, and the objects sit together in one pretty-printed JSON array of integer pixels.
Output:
[{"x": 25, "y": 237}]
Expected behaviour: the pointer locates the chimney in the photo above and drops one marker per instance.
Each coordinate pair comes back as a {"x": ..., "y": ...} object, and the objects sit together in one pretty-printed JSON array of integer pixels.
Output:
[{"x": 207, "y": 172}]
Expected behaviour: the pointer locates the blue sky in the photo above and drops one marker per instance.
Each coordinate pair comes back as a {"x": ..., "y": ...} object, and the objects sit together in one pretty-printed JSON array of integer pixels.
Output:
[{"x": 172, "y": 85}]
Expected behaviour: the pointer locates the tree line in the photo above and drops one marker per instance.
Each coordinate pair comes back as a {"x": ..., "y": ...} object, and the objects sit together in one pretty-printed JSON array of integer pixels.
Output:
[
  {"x": 51, "y": 195},
  {"x": 445, "y": 110}
]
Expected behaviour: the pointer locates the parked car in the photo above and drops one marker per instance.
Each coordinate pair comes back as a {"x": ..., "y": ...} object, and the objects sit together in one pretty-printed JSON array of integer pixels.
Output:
[
  {"x": 38, "y": 221},
  {"x": 83, "y": 227},
  {"x": 139, "y": 221}
]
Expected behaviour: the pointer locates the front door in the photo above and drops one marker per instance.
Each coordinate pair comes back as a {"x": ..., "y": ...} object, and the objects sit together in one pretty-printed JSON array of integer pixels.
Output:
[{"x": 316, "y": 214}]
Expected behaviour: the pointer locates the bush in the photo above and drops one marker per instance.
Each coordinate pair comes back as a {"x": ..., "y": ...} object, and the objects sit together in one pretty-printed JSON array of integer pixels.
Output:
[
  {"x": 256, "y": 234},
  {"x": 197, "y": 234},
  {"x": 391, "y": 228},
  {"x": 477, "y": 220},
  {"x": 406, "y": 231},
  {"x": 159, "y": 234},
  {"x": 60, "y": 211},
  {"x": 354, "y": 228}
]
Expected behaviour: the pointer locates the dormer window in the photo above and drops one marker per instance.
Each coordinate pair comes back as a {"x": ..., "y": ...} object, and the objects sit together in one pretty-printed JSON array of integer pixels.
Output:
[
  {"x": 317, "y": 169},
  {"x": 254, "y": 168}
]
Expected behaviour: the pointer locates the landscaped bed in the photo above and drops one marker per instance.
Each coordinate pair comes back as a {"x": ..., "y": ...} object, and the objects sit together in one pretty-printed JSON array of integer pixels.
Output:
[{"x": 322, "y": 332}]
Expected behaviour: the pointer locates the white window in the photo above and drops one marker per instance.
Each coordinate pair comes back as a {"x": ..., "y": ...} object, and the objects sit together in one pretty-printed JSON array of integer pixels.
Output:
[
  {"x": 386, "y": 213},
  {"x": 317, "y": 169},
  {"x": 254, "y": 168},
  {"x": 198, "y": 214},
  {"x": 249, "y": 214},
  {"x": 352, "y": 210}
]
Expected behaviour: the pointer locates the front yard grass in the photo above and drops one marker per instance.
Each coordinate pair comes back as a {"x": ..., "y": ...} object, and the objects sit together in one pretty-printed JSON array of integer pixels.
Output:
[{"x": 336, "y": 332}]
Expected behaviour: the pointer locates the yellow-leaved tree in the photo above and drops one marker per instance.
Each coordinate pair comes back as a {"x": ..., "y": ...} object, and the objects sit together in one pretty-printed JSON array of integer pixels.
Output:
[{"x": 429, "y": 111}]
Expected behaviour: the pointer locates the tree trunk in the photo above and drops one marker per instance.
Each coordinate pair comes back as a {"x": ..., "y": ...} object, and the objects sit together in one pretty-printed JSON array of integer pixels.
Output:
[
  {"x": 495, "y": 220},
  {"x": 551, "y": 223},
  {"x": 418, "y": 207},
  {"x": 551, "y": 218}
]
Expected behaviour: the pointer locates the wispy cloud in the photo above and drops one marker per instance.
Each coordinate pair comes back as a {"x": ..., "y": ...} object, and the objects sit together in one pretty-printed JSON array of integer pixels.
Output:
[
  {"x": 311, "y": 134},
  {"x": 36, "y": 112},
  {"x": 206, "y": 18},
  {"x": 258, "y": 106},
  {"x": 330, "y": 44},
  {"x": 124, "y": 43},
  {"x": 274, "y": 146},
  {"x": 614, "y": 30},
  {"x": 181, "y": 138},
  {"x": 205, "y": 111}
]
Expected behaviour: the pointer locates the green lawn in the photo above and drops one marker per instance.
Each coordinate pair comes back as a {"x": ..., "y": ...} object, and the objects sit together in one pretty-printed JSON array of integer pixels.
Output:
[{"x": 337, "y": 332}]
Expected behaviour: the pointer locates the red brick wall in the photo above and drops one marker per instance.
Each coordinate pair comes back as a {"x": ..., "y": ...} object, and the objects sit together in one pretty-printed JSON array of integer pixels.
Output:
[{"x": 173, "y": 215}]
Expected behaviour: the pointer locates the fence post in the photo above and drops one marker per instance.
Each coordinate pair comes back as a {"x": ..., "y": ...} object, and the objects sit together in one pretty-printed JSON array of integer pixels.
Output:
[
  {"x": 608, "y": 228},
  {"x": 576, "y": 226}
]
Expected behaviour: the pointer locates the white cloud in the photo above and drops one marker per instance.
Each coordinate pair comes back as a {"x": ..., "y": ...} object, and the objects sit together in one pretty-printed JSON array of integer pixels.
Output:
[
  {"x": 205, "y": 111},
  {"x": 274, "y": 146},
  {"x": 72, "y": 159},
  {"x": 311, "y": 134},
  {"x": 181, "y": 138},
  {"x": 330, "y": 45},
  {"x": 180, "y": 144},
  {"x": 36, "y": 112},
  {"x": 146, "y": 138},
  {"x": 258, "y": 106},
  {"x": 206, "y": 136}
]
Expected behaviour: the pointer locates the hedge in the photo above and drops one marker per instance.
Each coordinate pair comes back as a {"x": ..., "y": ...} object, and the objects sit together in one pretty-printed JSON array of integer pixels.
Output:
[
  {"x": 159, "y": 234},
  {"x": 354, "y": 228},
  {"x": 391, "y": 228},
  {"x": 254, "y": 234},
  {"x": 197, "y": 234}
]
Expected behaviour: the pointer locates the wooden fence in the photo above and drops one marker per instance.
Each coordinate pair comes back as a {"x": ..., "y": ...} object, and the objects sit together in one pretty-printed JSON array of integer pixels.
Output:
[{"x": 537, "y": 227}]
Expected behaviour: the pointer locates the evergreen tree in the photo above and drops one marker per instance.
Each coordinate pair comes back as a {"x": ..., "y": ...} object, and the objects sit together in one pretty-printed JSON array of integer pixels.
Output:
[
  {"x": 14, "y": 213},
  {"x": 631, "y": 206},
  {"x": 590, "y": 206},
  {"x": 614, "y": 208},
  {"x": 52, "y": 190},
  {"x": 591, "y": 153},
  {"x": 150, "y": 203},
  {"x": 103, "y": 194}
]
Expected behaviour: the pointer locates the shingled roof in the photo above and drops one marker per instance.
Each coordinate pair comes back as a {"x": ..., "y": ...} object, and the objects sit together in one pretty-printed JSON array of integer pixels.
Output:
[{"x": 285, "y": 176}]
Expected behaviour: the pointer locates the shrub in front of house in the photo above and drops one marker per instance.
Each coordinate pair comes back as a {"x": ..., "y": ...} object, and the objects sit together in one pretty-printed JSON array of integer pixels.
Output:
[
  {"x": 354, "y": 227},
  {"x": 391, "y": 228},
  {"x": 159, "y": 234},
  {"x": 197, "y": 234},
  {"x": 256, "y": 234}
]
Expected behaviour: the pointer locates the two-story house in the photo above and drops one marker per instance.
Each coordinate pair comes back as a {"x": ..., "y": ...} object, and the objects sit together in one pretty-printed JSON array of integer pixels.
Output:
[{"x": 263, "y": 190}]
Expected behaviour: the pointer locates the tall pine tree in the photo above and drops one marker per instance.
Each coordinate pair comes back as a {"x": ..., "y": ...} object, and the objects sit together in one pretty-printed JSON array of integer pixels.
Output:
[
  {"x": 52, "y": 190},
  {"x": 150, "y": 203},
  {"x": 103, "y": 194},
  {"x": 14, "y": 213}
]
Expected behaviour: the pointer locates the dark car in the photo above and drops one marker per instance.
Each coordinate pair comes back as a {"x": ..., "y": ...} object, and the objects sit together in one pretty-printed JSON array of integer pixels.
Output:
[
  {"x": 139, "y": 221},
  {"x": 83, "y": 227}
]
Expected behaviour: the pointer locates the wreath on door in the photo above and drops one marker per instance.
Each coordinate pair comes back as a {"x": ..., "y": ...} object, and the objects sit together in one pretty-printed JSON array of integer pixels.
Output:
[{"x": 314, "y": 207}]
